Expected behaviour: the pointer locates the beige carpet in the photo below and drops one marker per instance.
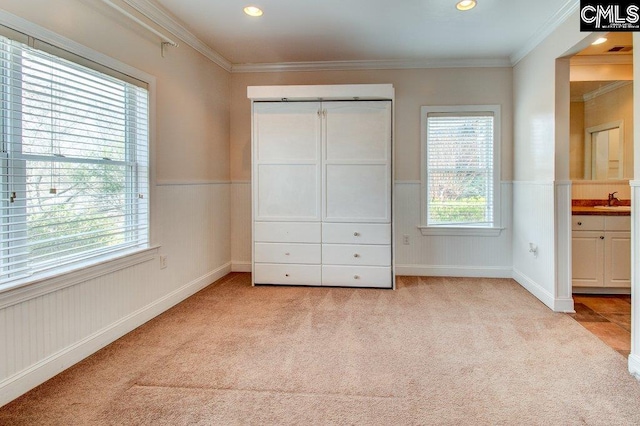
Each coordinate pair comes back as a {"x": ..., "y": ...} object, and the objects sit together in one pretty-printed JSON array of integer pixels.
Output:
[{"x": 435, "y": 351}]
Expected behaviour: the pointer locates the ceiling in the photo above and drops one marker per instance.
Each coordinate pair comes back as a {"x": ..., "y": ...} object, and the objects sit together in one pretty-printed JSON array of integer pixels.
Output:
[{"x": 295, "y": 31}]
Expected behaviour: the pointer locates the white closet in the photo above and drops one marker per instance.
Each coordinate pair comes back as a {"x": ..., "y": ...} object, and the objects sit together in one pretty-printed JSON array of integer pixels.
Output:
[{"x": 321, "y": 178}]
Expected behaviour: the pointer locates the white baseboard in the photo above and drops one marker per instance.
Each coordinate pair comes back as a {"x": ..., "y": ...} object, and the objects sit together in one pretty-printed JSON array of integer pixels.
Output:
[
  {"x": 27, "y": 379},
  {"x": 240, "y": 266},
  {"x": 533, "y": 288},
  {"x": 634, "y": 365},
  {"x": 453, "y": 271}
]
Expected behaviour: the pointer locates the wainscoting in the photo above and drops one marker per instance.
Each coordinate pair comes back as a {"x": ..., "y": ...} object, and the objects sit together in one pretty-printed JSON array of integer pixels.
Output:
[{"x": 67, "y": 320}]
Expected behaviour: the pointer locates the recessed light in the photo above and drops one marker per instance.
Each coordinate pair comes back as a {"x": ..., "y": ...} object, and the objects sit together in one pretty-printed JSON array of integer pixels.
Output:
[
  {"x": 253, "y": 11},
  {"x": 599, "y": 41},
  {"x": 466, "y": 4}
]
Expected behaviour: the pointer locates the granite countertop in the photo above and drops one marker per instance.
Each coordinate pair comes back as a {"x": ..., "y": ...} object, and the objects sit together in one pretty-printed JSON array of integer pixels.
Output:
[{"x": 587, "y": 207}]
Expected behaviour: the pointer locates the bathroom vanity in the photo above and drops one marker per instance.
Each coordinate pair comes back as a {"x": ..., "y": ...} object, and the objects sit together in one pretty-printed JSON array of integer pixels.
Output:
[{"x": 601, "y": 246}]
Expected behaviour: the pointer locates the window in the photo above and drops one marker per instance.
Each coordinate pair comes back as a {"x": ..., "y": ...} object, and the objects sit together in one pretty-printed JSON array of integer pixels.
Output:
[
  {"x": 460, "y": 182},
  {"x": 74, "y": 146}
]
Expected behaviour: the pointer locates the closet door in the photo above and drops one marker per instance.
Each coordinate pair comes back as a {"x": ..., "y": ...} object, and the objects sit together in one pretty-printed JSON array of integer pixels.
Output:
[
  {"x": 287, "y": 150},
  {"x": 357, "y": 161}
]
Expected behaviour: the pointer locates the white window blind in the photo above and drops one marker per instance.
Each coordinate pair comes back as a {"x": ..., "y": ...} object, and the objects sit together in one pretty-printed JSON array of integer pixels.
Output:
[
  {"x": 74, "y": 162},
  {"x": 460, "y": 169}
]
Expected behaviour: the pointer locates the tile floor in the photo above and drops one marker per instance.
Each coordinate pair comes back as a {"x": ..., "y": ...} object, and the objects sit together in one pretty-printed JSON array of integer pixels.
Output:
[{"x": 606, "y": 316}]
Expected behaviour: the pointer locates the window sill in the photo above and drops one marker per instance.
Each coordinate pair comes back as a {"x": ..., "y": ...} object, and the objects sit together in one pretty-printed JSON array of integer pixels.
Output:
[
  {"x": 19, "y": 291},
  {"x": 460, "y": 231}
]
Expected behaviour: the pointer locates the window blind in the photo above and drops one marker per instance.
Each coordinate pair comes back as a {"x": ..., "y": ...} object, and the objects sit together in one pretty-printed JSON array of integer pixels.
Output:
[
  {"x": 74, "y": 182},
  {"x": 460, "y": 169}
]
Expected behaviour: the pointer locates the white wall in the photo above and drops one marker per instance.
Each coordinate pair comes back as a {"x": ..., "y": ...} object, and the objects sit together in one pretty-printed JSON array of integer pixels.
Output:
[
  {"x": 634, "y": 357},
  {"x": 429, "y": 255},
  {"x": 542, "y": 195},
  {"x": 44, "y": 332}
]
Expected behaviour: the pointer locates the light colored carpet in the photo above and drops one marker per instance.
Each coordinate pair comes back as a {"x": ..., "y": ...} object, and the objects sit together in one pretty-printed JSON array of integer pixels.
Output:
[{"x": 435, "y": 351}]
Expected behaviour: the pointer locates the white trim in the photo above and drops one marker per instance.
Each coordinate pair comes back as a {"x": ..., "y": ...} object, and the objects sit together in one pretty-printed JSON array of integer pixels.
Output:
[
  {"x": 22, "y": 25},
  {"x": 324, "y": 92},
  {"x": 29, "y": 288},
  {"x": 634, "y": 365},
  {"x": 194, "y": 182},
  {"x": 143, "y": 24},
  {"x": 570, "y": 7},
  {"x": 453, "y": 271},
  {"x": 606, "y": 89},
  {"x": 496, "y": 111},
  {"x": 534, "y": 288},
  {"x": 27, "y": 379},
  {"x": 166, "y": 21},
  {"x": 371, "y": 65},
  {"x": 240, "y": 266},
  {"x": 462, "y": 231}
]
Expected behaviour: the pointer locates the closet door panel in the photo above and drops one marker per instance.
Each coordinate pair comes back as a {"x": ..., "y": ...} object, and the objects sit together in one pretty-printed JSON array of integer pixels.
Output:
[
  {"x": 357, "y": 192},
  {"x": 287, "y": 131},
  {"x": 288, "y": 192},
  {"x": 358, "y": 131}
]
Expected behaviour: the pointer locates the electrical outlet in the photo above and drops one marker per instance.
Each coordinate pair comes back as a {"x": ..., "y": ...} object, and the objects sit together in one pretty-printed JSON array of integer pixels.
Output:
[
  {"x": 405, "y": 240},
  {"x": 163, "y": 261}
]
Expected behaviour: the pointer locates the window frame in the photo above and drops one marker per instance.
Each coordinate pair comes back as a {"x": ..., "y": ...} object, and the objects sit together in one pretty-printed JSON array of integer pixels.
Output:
[
  {"x": 461, "y": 230},
  {"x": 48, "y": 280}
]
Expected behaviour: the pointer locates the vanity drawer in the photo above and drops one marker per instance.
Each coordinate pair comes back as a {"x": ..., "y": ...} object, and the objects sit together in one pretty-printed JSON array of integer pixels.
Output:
[
  {"x": 267, "y": 273},
  {"x": 287, "y": 253},
  {"x": 356, "y": 276},
  {"x": 343, "y": 254},
  {"x": 587, "y": 223},
  {"x": 617, "y": 223},
  {"x": 356, "y": 233},
  {"x": 287, "y": 232}
]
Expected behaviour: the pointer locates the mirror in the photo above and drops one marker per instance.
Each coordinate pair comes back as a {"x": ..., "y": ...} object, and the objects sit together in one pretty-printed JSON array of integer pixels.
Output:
[
  {"x": 603, "y": 151},
  {"x": 601, "y": 130}
]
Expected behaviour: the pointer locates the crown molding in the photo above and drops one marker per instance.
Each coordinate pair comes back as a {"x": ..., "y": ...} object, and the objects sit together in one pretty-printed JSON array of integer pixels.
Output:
[
  {"x": 169, "y": 23},
  {"x": 579, "y": 60},
  {"x": 606, "y": 89},
  {"x": 370, "y": 65},
  {"x": 545, "y": 30}
]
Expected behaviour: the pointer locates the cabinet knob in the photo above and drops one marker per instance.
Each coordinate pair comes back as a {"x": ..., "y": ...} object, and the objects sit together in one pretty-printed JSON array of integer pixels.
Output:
[
  {"x": 286, "y": 275},
  {"x": 356, "y": 277},
  {"x": 579, "y": 223},
  {"x": 356, "y": 234},
  {"x": 356, "y": 255},
  {"x": 286, "y": 254},
  {"x": 602, "y": 237}
]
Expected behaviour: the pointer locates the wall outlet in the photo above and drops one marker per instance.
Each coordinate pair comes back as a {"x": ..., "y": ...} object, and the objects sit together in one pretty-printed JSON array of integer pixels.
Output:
[
  {"x": 163, "y": 261},
  {"x": 405, "y": 240}
]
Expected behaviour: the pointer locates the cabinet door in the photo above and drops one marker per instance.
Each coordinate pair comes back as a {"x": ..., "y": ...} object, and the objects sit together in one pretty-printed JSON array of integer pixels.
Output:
[
  {"x": 617, "y": 259},
  {"x": 357, "y": 161},
  {"x": 286, "y": 157},
  {"x": 588, "y": 252}
]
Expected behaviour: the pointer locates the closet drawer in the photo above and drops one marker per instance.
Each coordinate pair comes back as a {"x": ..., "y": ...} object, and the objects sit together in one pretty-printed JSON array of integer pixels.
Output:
[
  {"x": 587, "y": 223},
  {"x": 617, "y": 223},
  {"x": 287, "y": 253},
  {"x": 356, "y": 276},
  {"x": 287, "y": 232},
  {"x": 268, "y": 273},
  {"x": 343, "y": 254},
  {"x": 356, "y": 233}
]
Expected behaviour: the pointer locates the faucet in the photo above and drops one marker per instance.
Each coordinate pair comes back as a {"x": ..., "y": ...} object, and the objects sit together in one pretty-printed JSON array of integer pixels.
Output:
[{"x": 611, "y": 198}]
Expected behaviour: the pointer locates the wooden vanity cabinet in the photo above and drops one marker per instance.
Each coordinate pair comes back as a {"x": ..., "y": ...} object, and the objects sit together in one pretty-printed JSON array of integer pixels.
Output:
[{"x": 601, "y": 247}]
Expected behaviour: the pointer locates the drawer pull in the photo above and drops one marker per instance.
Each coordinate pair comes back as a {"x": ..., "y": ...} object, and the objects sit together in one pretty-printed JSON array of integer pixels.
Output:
[
  {"x": 356, "y": 234},
  {"x": 286, "y": 254},
  {"x": 286, "y": 275},
  {"x": 356, "y": 277},
  {"x": 356, "y": 255},
  {"x": 602, "y": 237},
  {"x": 579, "y": 223}
]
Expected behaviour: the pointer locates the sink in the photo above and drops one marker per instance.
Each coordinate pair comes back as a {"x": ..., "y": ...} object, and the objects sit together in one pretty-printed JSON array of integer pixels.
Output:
[{"x": 618, "y": 208}]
